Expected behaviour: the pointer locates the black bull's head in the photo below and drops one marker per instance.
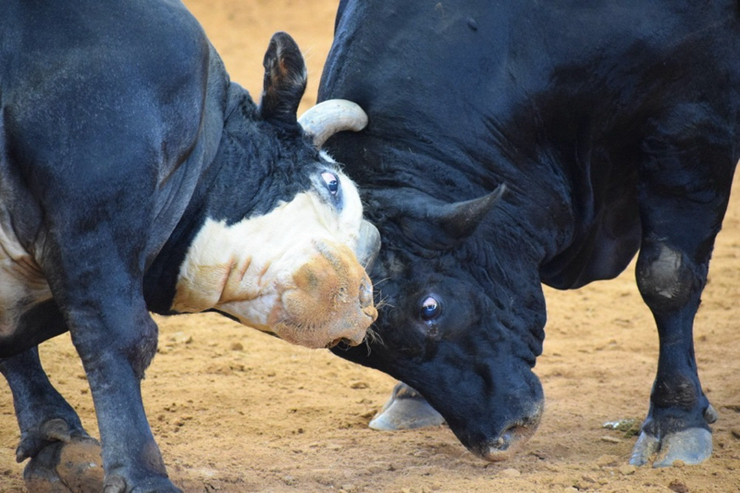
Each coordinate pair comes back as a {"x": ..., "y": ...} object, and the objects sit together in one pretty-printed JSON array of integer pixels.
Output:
[{"x": 461, "y": 316}]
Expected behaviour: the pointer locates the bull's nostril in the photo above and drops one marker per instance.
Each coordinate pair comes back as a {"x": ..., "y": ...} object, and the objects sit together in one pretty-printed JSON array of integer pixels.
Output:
[
  {"x": 333, "y": 343},
  {"x": 502, "y": 443},
  {"x": 366, "y": 294}
]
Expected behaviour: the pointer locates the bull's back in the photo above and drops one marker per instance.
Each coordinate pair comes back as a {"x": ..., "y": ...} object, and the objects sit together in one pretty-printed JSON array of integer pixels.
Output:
[
  {"x": 560, "y": 99},
  {"x": 516, "y": 75}
]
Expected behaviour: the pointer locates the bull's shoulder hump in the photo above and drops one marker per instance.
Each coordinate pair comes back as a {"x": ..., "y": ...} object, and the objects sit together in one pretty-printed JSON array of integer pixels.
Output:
[
  {"x": 135, "y": 73},
  {"x": 104, "y": 44}
]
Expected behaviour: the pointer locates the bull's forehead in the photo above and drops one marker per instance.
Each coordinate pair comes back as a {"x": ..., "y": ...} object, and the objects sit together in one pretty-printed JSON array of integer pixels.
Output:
[{"x": 240, "y": 266}]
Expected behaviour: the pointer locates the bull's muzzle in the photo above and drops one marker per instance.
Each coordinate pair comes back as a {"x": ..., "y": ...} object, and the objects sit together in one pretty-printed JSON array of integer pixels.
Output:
[
  {"x": 332, "y": 300},
  {"x": 513, "y": 437}
]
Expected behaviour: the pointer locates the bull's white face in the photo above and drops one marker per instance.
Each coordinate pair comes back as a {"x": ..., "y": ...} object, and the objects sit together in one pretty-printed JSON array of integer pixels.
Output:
[{"x": 292, "y": 271}]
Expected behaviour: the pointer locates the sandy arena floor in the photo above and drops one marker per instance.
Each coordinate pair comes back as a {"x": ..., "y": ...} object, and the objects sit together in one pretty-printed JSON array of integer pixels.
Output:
[{"x": 237, "y": 411}]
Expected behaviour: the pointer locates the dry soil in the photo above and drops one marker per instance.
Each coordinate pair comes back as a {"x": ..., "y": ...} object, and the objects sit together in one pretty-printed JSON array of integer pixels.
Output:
[{"x": 234, "y": 410}]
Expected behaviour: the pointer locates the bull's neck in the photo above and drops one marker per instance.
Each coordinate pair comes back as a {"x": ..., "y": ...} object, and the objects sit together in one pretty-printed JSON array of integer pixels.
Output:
[{"x": 224, "y": 190}]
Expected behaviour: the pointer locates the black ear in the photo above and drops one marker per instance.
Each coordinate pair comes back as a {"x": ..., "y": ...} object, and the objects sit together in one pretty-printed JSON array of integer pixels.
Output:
[{"x": 285, "y": 80}]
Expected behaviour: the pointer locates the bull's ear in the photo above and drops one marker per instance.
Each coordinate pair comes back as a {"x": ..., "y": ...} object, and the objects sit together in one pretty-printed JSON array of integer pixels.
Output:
[
  {"x": 460, "y": 219},
  {"x": 285, "y": 80}
]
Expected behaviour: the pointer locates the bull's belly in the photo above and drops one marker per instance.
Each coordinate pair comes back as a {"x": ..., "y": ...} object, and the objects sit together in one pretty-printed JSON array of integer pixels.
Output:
[{"x": 22, "y": 285}]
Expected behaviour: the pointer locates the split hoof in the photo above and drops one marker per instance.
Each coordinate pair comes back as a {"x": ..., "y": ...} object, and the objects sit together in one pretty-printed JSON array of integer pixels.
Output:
[
  {"x": 75, "y": 466},
  {"x": 406, "y": 409},
  {"x": 692, "y": 446}
]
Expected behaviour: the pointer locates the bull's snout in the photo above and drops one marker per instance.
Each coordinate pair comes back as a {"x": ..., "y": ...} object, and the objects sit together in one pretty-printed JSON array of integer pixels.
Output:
[
  {"x": 332, "y": 300},
  {"x": 512, "y": 438},
  {"x": 355, "y": 337}
]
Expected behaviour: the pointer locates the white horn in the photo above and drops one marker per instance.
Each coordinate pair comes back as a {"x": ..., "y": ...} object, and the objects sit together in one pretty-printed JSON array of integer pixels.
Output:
[{"x": 332, "y": 116}]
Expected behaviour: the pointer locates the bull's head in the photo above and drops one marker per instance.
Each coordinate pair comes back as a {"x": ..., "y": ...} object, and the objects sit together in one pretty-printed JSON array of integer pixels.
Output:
[
  {"x": 462, "y": 315},
  {"x": 293, "y": 262}
]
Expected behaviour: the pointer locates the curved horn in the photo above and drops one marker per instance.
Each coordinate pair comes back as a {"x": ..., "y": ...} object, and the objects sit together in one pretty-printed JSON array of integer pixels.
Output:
[
  {"x": 460, "y": 219},
  {"x": 332, "y": 116}
]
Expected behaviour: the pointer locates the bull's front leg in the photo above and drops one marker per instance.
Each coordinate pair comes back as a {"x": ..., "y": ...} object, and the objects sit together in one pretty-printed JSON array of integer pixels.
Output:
[
  {"x": 682, "y": 204},
  {"x": 63, "y": 457},
  {"x": 95, "y": 275},
  {"x": 116, "y": 344},
  {"x": 684, "y": 189}
]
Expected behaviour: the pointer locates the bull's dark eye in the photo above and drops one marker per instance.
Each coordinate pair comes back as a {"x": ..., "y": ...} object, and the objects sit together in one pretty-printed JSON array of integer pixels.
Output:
[
  {"x": 430, "y": 308},
  {"x": 332, "y": 182}
]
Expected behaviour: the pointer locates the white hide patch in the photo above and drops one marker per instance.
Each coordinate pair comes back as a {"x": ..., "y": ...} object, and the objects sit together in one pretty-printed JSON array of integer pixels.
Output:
[
  {"x": 242, "y": 269},
  {"x": 22, "y": 285}
]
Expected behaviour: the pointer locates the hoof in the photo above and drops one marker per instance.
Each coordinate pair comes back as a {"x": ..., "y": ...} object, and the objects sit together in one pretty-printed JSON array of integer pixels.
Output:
[
  {"x": 711, "y": 415},
  {"x": 692, "y": 446},
  {"x": 62, "y": 467},
  {"x": 116, "y": 483},
  {"x": 406, "y": 409}
]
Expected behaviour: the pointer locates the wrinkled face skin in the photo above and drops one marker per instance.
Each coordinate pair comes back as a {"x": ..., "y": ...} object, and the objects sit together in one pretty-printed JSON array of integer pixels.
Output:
[
  {"x": 452, "y": 329},
  {"x": 292, "y": 271}
]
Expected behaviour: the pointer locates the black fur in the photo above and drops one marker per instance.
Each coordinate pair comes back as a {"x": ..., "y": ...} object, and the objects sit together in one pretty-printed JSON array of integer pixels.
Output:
[{"x": 614, "y": 126}]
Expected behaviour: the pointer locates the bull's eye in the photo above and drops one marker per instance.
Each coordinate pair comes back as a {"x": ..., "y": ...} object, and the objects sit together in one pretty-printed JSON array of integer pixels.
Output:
[
  {"x": 332, "y": 182},
  {"x": 430, "y": 308}
]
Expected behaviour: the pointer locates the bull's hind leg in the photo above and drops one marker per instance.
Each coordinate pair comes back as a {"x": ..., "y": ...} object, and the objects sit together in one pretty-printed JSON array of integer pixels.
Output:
[
  {"x": 63, "y": 456},
  {"x": 683, "y": 197}
]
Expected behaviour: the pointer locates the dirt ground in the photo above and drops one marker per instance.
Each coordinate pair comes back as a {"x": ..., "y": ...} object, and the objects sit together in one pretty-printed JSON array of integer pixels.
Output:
[{"x": 234, "y": 410}]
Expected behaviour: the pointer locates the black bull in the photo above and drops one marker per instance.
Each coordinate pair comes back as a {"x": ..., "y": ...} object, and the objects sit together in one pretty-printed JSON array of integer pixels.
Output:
[{"x": 517, "y": 143}]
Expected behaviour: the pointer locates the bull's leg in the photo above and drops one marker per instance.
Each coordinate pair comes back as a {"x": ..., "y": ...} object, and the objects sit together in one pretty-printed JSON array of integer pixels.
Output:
[
  {"x": 682, "y": 208},
  {"x": 63, "y": 456},
  {"x": 116, "y": 344},
  {"x": 95, "y": 270},
  {"x": 677, "y": 424}
]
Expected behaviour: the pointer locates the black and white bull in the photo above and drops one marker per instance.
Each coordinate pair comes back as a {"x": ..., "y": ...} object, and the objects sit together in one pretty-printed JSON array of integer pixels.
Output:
[
  {"x": 517, "y": 143},
  {"x": 135, "y": 177}
]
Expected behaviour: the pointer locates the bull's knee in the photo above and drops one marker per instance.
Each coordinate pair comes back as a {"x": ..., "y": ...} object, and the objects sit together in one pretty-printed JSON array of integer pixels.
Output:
[
  {"x": 133, "y": 340},
  {"x": 665, "y": 277},
  {"x": 143, "y": 349}
]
